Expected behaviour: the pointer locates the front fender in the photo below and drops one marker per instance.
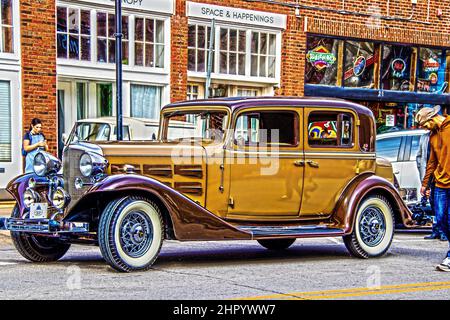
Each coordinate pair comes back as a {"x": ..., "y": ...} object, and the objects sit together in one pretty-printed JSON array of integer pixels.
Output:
[
  {"x": 18, "y": 186},
  {"x": 190, "y": 221},
  {"x": 363, "y": 186}
]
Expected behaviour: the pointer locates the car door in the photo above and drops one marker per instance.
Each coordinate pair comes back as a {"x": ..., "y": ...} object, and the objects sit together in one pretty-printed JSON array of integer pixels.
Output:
[
  {"x": 332, "y": 158},
  {"x": 266, "y": 171}
]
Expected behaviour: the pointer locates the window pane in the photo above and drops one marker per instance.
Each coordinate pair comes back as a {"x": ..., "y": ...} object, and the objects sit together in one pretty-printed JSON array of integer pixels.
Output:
[
  {"x": 272, "y": 45},
  {"x": 263, "y": 66},
  {"x": 85, "y": 22},
  {"x": 81, "y": 101},
  {"x": 359, "y": 64},
  {"x": 263, "y": 49},
  {"x": 5, "y": 122},
  {"x": 201, "y": 64},
  {"x": 321, "y": 61},
  {"x": 149, "y": 61},
  {"x": 85, "y": 48},
  {"x": 223, "y": 39},
  {"x": 232, "y": 63},
  {"x": 104, "y": 100},
  {"x": 112, "y": 51},
  {"x": 233, "y": 40},
  {"x": 242, "y": 64},
  {"x": 61, "y": 23},
  {"x": 254, "y": 71},
  {"x": 7, "y": 12},
  {"x": 101, "y": 50},
  {"x": 431, "y": 70},
  {"x": 271, "y": 70},
  {"x": 330, "y": 129},
  {"x": 139, "y": 29},
  {"x": 74, "y": 23},
  {"x": 7, "y": 34},
  {"x": 396, "y": 65},
  {"x": 223, "y": 62},
  {"x": 255, "y": 42},
  {"x": 125, "y": 52},
  {"x": 149, "y": 30},
  {"x": 145, "y": 101},
  {"x": 101, "y": 24},
  {"x": 201, "y": 37},
  {"x": 139, "y": 54},
  {"x": 191, "y": 36},
  {"x": 159, "y": 31},
  {"x": 111, "y": 25},
  {"x": 159, "y": 59},
  {"x": 125, "y": 27},
  {"x": 191, "y": 60},
  {"x": 242, "y": 41},
  {"x": 74, "y": 47},
  {"x": 62, "y": 45}
]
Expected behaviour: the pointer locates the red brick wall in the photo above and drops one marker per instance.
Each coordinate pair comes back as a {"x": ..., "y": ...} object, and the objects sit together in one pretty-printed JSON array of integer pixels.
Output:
[
  {"x": 358, "y": 21},
  {"x": 38, "y": 50}
]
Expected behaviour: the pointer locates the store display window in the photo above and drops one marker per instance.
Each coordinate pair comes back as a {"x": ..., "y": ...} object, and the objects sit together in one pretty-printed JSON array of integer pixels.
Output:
[
  {"x": 396, "y": 68},
  {"x": 431, "y": 71},
  {"x": 359, "y": 64},
  {"x": 322, "y": 61}
]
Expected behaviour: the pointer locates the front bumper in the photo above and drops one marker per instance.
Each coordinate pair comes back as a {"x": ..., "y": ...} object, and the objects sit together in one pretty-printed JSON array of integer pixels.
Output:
[{"x": 43, "y": 226}]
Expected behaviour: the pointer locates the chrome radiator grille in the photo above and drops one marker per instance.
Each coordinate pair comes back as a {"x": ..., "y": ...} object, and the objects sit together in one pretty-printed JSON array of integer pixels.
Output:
[{"x": 71, "y": 171}]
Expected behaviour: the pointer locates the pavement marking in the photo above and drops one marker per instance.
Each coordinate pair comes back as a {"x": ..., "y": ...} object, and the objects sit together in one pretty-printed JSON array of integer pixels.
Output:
[
  {"x": 7, "y": 263},
  {"x": 356, "y": 292}
]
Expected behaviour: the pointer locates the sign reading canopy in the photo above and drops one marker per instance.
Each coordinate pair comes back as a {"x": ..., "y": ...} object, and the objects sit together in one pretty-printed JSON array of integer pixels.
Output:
[
  {"x": 227, "y": 14},
  {"x": 160, "y": 6}
]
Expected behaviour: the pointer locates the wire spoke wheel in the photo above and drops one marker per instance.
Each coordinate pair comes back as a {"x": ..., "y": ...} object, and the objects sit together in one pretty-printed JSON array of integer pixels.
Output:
[{"x": 136, "y": 234}]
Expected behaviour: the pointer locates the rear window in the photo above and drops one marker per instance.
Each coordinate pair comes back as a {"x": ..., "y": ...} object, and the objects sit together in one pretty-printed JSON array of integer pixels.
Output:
[{"x": 389, "y": 148}]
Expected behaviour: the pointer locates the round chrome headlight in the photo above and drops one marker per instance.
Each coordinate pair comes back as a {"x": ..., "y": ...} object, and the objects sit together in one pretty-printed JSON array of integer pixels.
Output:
[
  {"x": 44, "y": 163},
  {"x": 92, "y": 164},
  {"x": 60, "y": 198},
  {"x": 86, "y": 165},
  {"x": 30, "y": 197}
]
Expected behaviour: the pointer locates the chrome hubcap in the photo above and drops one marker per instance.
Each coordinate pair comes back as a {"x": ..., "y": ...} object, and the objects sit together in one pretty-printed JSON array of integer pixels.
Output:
[
  {"x": 136, "y": 234},
  {"x": 372, "y": 226}
]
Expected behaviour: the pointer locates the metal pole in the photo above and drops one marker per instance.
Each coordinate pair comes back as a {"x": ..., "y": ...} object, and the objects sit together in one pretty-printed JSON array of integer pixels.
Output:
[
  {"x": 210, "y": 58},
  {"x": 118, "y": 35}
]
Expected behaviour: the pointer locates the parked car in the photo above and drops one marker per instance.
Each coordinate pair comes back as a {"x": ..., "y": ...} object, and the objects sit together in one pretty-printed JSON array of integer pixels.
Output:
[
  {"x": 265, "y": 169},
  {"x": 400, "y": 148}
]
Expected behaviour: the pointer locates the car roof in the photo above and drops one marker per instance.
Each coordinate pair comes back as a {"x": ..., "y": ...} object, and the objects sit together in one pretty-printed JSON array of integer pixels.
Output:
[
  {"x": 112, "y": 120},
  {"x": 238, "y": 103},
  {"x": 401, "y": 133}
]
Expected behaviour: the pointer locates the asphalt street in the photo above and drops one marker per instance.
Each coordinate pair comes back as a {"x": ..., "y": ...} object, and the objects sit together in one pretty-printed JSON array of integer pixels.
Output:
[{"x": 310, "y": 269}]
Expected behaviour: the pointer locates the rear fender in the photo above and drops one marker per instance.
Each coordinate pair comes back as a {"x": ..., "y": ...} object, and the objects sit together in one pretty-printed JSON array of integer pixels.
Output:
[
  {"x": 189, "y": 220},
  {"x": 362, "y": 187}
]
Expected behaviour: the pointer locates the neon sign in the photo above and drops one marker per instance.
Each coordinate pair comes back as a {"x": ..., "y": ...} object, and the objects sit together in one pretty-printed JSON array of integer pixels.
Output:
[
  {"x": 398, "y": 67},
  {"x": 320, "y": 58},
  {"x": 359, "y": 66}
]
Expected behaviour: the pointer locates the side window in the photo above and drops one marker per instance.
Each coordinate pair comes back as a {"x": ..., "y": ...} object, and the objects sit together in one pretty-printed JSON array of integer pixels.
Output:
[
  {"x": 388, "y": 148},
  {"x": 414, "y": 148},
  {"x": 330, "y": 129},
  {"x": 268, "y": 127}
]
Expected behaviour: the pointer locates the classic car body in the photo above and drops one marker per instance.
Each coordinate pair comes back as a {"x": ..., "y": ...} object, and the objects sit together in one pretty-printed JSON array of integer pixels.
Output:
[{"x": 266, "y": 169}]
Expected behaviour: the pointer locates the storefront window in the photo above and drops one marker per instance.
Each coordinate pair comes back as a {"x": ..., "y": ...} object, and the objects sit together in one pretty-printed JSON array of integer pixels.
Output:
[
  {"x": 149, "y": 43},
  {"x": 232, "y": 51},
  {"x": 106, "y": 41},
  {"x": 431, "y": 71},
  {"x": 145, "y": 101},
  {"x": 5, "y": 122},
  {"x": 6, "y": 25},
  {"x": 322, "y": 61},
  {"x": 263, "y": 54},
  {"x": 73, "y": 34},
  {"x": 104, "y": 100},
  {"x": 396, "y": 68},
  {"x": 359, "y": 64},
  {"x": 81, "y": 101},
  {"x": 198, "y": 48}
]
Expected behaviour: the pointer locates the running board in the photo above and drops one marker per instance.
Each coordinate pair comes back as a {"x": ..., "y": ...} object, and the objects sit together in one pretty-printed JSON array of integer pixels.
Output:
[{"x": 291, "y": 231}]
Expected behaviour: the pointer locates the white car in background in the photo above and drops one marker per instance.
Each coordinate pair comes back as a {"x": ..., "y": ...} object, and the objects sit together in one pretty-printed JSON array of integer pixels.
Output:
[{"x": 401, "y": 148}]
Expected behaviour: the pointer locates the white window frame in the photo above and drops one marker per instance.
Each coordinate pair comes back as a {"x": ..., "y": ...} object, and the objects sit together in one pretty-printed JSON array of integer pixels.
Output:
[{"x": 13, "y": 57}]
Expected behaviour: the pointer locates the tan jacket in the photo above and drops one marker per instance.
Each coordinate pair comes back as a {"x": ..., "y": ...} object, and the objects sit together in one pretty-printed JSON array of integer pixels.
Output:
[{"x": 439, "y": 162}]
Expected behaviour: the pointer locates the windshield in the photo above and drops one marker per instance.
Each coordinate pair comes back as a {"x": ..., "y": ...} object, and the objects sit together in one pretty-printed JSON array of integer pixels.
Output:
[
  {"x": 90, "y": 132},
  {"x": 203, "y": 125}
]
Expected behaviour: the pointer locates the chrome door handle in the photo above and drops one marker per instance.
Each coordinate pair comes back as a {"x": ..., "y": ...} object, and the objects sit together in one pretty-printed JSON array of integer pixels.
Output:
[
  {"x": 299, "y": 163},
  {"x": 313, "y": 164}
]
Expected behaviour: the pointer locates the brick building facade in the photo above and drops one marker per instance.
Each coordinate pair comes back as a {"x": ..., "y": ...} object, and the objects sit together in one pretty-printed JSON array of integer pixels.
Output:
[{"x": 338, "y": 48}]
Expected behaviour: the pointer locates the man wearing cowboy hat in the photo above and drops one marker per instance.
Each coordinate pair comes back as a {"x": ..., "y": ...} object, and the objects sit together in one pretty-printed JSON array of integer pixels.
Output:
[{"x": 438, "y": 166}]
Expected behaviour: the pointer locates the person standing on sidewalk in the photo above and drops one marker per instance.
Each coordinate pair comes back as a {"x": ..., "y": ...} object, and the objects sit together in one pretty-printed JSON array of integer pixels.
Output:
[
  {"x": 439, "y": 167},
  {"x": 33, "y": 142},
  {"x": 423, "y": 155}
]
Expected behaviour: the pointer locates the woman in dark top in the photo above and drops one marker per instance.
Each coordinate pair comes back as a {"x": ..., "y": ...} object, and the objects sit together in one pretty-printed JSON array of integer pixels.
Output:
[{"x": 33, "y": 142}]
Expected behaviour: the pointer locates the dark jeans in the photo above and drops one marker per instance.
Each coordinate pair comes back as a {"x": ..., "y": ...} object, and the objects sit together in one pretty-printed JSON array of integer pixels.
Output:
[{"x": 442, "y": 211}]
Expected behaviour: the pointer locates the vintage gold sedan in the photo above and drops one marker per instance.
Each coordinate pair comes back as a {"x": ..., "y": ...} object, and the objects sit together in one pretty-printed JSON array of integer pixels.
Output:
[{"x": 265, "y": 169}]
